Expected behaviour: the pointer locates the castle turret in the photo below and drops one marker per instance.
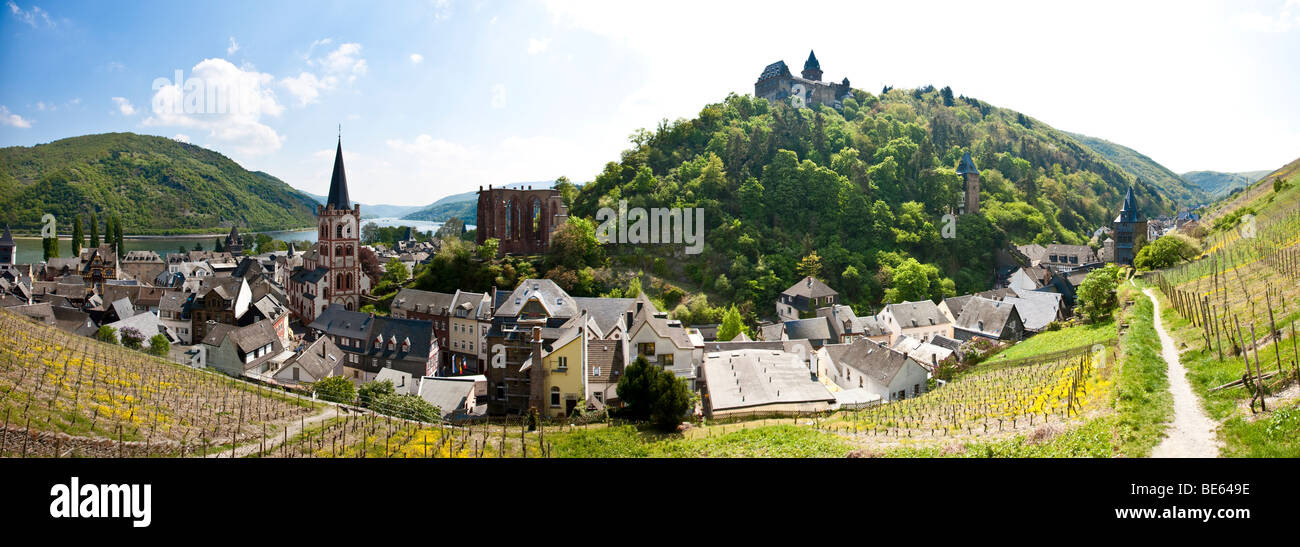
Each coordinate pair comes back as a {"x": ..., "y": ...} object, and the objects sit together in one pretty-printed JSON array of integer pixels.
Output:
[
  {"x": 812, "y": 70},
  {"x": 970, "y": 184}
]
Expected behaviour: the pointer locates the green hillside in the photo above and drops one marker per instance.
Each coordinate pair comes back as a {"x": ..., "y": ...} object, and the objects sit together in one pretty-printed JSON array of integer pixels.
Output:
[
  {"x": 1180, "y": 191},
  {"x": 154, "y": 184},
  {"x": 1216, "y": 184},
  {"x": 467, "y": 211},
  {"x": 866, "y": 189}
]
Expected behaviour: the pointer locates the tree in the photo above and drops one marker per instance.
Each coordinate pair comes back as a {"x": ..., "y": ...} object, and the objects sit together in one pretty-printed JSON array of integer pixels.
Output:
[
  {"x": 51, "y": 247},
  {"x": 78, "y": 237},
  {"x": 574, "y": 245},
  {"x": 568, "y": 192},
  {"x": 395, "y": 272},
  {"x": 451, "y": 229},
  {"x": 732, "y": 325},
  {"x": 159, "y": 345},
  {"x": 106, "y": 334},
  {"x": 132, "y": 337},
  {"x": 370, "y": 264},
  {"x": 652, "y": 393},
  {"x": 336, "y": 389},
  {"x": 369, "y": 231},
  {"x": 810, "y": 265},
  {"x": 1165, "y": 252},
  {"x": 217, "y": 246},
  {"x": 1097, "y": 298},
  {"x": 198, "y": 246},
  {"x": 407, "y": 406},
  {"x": 371, "y": 392},
  {"x": 911, "y": 282},
  {"x": 94, "y": 230},
  {"x": 488, "y": 250}
]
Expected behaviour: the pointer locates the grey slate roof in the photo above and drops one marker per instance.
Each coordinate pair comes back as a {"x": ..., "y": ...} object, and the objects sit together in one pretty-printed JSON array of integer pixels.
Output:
[
  {"x": 880, "y": 364},
  {"x": 418, "y": 301},
  {"x": 956, "y": 303},
  {"x": 923, "y": 313},
  {"x": 320, "y": 359},
  {"x": 1036, "y": 313},
  {"x": 557, "y": 302},
  {"x": 338, "y": 196},
  {"x": 810, "y": 287},
  {"x": 985, "y": 316},
  {"x": 813, "y": 328},
  {"x": 966, "y": 165},
  {"x": 336, "y": 320},
  {"x": 606, "y": 312},
  {"x": 752, "y": 377}
]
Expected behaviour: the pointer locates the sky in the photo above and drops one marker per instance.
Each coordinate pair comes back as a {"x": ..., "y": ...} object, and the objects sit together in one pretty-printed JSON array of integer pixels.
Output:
[{"x": 437, "y": 97}]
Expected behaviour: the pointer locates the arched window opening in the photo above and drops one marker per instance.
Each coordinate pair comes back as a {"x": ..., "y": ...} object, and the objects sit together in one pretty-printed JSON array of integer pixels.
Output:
[
  {"x": 510, "y": 219},
  {"x": 338, "y": 231},
  {"x": 537, "y": 217}
]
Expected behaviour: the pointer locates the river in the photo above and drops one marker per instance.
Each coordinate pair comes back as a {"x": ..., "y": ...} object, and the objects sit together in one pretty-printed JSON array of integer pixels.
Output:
[{"x": 30, "y": 251}]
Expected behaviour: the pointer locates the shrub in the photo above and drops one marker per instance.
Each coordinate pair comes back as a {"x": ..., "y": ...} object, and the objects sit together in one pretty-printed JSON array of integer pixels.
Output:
[
  {"x": 158, "y": 345},
  {"x": 335, "y": 388},
  {"x": 132, "y": 337}
]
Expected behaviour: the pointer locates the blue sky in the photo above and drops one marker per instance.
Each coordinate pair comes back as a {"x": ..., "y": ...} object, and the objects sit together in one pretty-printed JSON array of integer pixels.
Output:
[{"x": 439, "y": 96}]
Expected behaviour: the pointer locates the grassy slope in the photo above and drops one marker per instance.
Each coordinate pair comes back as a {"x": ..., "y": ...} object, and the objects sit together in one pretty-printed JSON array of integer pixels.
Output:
[
  {"x": 156, "y": 185},
  {"x": 1047, "y": 342},
  {"x": 1216, "y": 184}
]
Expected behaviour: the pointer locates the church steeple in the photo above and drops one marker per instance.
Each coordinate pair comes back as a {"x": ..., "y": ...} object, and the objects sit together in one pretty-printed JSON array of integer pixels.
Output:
[{"x": 339, "y": 183}]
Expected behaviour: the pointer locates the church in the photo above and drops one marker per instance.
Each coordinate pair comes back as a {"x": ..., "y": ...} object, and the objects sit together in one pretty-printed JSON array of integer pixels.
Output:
[{"x": 331, "y": 270}]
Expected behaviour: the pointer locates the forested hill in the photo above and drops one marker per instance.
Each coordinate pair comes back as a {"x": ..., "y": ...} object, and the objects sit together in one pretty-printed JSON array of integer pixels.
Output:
[
  {"x": 154, "y": 184},
  {"x": 1184, "y": 192},
  {"x": 865, "y": 189}
]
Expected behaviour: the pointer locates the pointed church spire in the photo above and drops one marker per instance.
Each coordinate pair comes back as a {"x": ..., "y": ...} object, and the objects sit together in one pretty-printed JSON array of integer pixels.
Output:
[
  {"x": 339, "y": 182},
  {"x": 7, "y": 238},
  {"x": 1129, "y": 211},
  {"x": 812, "y": 61},
  {"x": 966, "y": 165}
]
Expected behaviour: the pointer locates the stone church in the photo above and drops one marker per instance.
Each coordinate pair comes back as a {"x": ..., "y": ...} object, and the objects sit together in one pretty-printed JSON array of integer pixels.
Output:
[
  {"x": 522, "y": 219},
  {"x": 331, "y": 270},
  {"x": 1130, "y": 230},
  {"x": 776, "y": 83}
]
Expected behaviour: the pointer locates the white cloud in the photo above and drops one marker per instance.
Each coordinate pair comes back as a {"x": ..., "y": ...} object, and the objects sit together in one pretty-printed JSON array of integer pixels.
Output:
[
  {"x": 182, "y": 138},
  {"x": 441, "y": 9},
  {"x": 499, "y": 96},
  {"x": 234, "y": 46},
  {"x": 306, "y": 87},
  {"x": 43, "y": 106},
  {"x": 33, "y": 17},
  {"x": 124, "y": 106},
  {"x": 344, "y": 63},
  {"x": 13, "y": 120},
  {"x": 416, "y": 58},
  {"x": 536, "y": 45},
  {"x": 226, "y": 101},
  {"x": 1285, "y": 19}
]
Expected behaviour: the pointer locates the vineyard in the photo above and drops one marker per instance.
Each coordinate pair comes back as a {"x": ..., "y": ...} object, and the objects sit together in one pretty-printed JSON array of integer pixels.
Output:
[
  {"x": 1237, "y": 309},
  {"x": 1015, "y": 395},
  {"x": 378, "y": 436},
  {"x": 68, "y": 396}
]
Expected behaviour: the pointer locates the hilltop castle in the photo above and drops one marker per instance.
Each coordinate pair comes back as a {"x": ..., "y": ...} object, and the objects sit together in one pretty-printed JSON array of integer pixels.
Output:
[{"x": 776, "y": 83}]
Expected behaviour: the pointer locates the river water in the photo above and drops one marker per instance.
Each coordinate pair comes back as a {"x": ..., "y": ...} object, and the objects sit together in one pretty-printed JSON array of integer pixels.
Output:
[{"x": 30, "y": 252}]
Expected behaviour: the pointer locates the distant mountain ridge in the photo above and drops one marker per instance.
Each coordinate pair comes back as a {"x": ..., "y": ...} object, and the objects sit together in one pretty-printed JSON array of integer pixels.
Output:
[
  {"x": 374, "y": 211},
  {"x": 1182, "y": 192},
  {"x": 154, "y": 184},
  {"x": 463, "y": 206},
  {"x": 1218, "y": 184}
]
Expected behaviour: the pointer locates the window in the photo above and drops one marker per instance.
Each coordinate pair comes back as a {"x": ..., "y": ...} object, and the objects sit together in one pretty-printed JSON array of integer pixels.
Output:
[
  {"x": 599, "y": 396},
  {"x": 295, "y": 374},
  {"x": 916, "y": 389},
  {"x": 645, "y": 349},
  {"x": 555, "y": 397},
  {"x": 901, "y": 394},
  {"x": 564, "y": 363},
  {"x": 666, "y": 359},
  {"x": 595, "y": 371},
  {"x": 501, "y": 390}
]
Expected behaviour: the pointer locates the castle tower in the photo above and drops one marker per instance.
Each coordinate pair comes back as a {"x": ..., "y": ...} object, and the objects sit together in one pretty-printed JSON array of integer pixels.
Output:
[
  {"x": 1130, "y": 230},
  {"x": 812, "y": 70},
  {"x": 234, "y": 244},
  {"x": 970, "y": 184},
  {"x": 338, "y": 243},
  {"x": 8, "y": 251}
]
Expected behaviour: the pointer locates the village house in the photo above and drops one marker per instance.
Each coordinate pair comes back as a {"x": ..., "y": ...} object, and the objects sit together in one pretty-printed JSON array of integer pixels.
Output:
[
  {"x": 372, "y": 343},
  {"x": 563, "y": 363},
  {"x": 880, "y": 371},
  {"x": 219, "y": 301},
  {"x": 921, "y": 320},
  {"x": 803, "y": 298},
  {"x": 666, "y": 343},
  {"x": 404, "y": 383},
  {"x": 991, "y": 319},
  {"x": 458, "y": 397},
  {"x": 469, "y": 319},
  {"x": 238, "y": 351},
  {"x": 174, "y": 315},
  {"x": 744, "y": 381},
  {"x": 534, "y": 311}
]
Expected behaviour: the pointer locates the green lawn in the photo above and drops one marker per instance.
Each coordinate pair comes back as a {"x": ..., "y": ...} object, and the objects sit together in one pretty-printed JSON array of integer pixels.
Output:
[
  {"x": 1057, "y": 340},
  {"x": 775, "y": 441}
]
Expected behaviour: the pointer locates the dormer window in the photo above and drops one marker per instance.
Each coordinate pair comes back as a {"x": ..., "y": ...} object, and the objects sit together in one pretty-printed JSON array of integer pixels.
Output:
[
  {"x": 406, "y": 344},
  {"x": 379, "y": 340}
]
